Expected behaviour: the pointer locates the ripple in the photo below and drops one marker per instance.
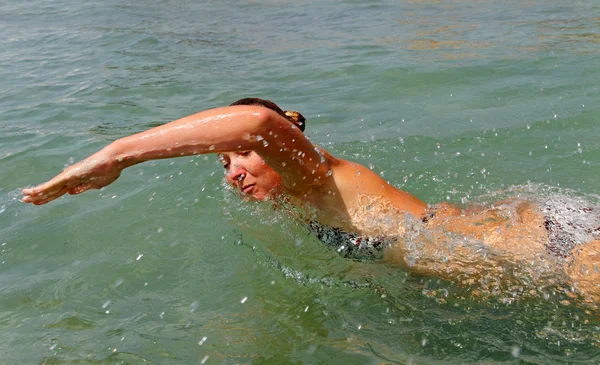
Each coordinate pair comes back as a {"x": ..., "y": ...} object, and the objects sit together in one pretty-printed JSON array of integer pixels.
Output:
[{"x": 72, "y": 323}]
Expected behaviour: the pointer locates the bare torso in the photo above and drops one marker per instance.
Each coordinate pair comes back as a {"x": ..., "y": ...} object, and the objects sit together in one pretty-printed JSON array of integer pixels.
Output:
[
  {"x": 264, "y": 152},
  {"x": 489, "y": 247},
  {"x": 353, "y": 197}
]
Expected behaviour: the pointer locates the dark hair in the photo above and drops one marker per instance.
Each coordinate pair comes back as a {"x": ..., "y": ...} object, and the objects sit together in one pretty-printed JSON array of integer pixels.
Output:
[{"x": 291, "y": 115}]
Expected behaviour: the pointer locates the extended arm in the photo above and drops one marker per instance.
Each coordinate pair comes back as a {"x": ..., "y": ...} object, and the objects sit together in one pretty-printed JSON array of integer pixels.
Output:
[{"x": 235, "y": 128}]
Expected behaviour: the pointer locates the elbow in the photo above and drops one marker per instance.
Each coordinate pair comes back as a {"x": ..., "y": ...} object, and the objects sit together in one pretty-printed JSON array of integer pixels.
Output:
[
  {"x": 263, "y": 121},
  {"x": 260, "y": 127}
]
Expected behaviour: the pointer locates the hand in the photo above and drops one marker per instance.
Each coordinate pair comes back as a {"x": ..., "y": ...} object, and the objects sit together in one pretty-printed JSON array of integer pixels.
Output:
[{"x": 95, "y": 172}]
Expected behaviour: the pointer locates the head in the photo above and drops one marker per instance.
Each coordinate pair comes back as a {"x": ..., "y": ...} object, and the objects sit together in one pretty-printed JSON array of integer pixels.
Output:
[
  {"x": 246, "y": 170},
  {"x": 296, "y": 118}
]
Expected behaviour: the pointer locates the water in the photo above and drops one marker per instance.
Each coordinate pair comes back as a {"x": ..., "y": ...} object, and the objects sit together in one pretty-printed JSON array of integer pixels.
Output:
[{"x": 459, "y": 101}]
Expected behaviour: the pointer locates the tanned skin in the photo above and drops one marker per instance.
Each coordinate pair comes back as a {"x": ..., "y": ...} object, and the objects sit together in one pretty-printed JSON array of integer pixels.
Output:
[{"x": 266, "y": 156}]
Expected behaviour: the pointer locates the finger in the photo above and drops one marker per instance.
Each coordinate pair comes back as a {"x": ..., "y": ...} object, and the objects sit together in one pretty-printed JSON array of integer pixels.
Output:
[
  {"x": 47, "y": 189},
  {"x": 31, "y": 191},
  {"x": 36, "y": 197},
  {"x": 54, "y": 196},
  {"x": 27, "y": 199},
  {"x": 40, "y": 202},
  {"x": 80, "y": 189},
  {"x": 51, "y": 187},
  {"x": 35, "y": 192}
]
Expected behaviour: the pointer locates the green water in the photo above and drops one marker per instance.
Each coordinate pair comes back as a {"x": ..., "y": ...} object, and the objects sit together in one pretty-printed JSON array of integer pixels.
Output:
[{"x": 450, "y": 100}]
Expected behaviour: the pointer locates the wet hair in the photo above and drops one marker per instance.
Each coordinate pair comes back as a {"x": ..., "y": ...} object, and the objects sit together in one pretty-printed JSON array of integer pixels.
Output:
[{"x": 291, "y": 115}]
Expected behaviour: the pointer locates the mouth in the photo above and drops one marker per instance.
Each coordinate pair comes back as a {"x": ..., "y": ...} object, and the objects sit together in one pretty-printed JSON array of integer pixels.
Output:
[{"x": 247, "y": 189}]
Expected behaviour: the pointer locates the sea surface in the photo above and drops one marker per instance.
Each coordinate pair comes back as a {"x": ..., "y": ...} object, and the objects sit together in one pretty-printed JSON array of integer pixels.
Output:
[{"x": 461, "y": 101}]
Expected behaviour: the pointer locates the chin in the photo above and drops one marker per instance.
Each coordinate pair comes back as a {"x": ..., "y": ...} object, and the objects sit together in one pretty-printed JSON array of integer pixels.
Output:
[
  {"x": 260, "y": 196},
  {"x": 254, "y": 197},
  {"x": 250, "y": 198}
]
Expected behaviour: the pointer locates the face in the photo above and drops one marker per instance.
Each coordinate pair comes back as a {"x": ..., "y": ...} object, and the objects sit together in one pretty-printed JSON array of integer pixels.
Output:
[{"x": 246, "y": 171}]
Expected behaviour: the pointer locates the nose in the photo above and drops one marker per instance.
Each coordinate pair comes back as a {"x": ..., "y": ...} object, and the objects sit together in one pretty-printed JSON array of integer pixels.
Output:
[{"x": 236, "y": 174}]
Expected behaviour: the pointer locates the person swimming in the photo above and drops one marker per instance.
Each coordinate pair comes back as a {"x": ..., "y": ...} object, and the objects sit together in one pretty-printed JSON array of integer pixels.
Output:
[{"x": 266, "y": 156}]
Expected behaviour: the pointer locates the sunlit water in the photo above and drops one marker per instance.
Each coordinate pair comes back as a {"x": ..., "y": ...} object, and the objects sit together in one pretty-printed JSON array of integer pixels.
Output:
[{"x": 458, "y": 101}]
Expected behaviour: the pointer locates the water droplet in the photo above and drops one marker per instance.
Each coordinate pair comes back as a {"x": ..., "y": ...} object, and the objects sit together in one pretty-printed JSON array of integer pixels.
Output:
[
  {"x": 203, "y": 340},
  {"x": 211, "y": 147},
  {"x": 195, "y": 304},
  {"x": 204, "y": 359},
  {"x": 516, "y": 351},
  {"x": 139, "y": 257},
  {"x": 106, "y": 304},
  {"x": 244, "y": 299}
]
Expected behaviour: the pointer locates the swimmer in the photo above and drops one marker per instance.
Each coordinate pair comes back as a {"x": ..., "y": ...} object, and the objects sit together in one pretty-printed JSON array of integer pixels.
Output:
[{"x": 266, "y": 156}]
